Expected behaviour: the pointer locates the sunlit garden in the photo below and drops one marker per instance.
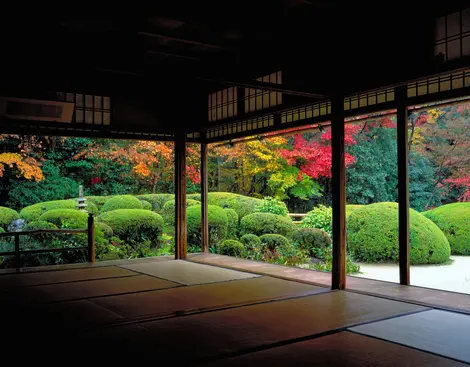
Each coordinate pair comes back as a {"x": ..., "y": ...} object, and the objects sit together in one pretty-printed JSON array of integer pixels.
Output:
[{"x": 269, "y": 199}]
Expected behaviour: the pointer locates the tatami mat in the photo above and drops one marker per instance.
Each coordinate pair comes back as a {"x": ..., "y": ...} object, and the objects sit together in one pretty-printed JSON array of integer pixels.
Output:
[
  {"x": 204, "y": 296},
  {"x": 28, "y": 279},
  {"x": 441, "y": 332},
  {"x": 341, "y": 349},
  {"x": 87, "y": 289},
  {"x": 188, "y": 273},
  {"x": 223, "y": 332}
]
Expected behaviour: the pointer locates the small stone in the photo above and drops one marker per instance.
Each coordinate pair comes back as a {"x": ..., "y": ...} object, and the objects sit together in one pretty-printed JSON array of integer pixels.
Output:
[{"x": 17, "y": 225}]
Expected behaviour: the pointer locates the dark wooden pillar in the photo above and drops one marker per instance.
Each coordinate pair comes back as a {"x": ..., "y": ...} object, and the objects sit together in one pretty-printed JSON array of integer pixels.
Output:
[
  {"x": 204, "y": 198},
  {"x": 180, "y": 196},
  {"x": 403, "y": 186},
  {"x": 339, "y": 194}
]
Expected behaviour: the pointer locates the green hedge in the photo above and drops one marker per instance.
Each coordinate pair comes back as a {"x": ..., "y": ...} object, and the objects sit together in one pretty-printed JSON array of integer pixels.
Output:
[
  {"x": 98, "y": 201},
  {"x": 276, "y": 248},
  {"x": 33, "y": 212},
  {"x": 146, "y": 205},
  {"x": 243, "y": 205},
  {"x": 250, "y": 241},
  {"x": 121, "y": 202},
  {"x": 157, "y": 200},
  {"x": 66, "y": 218},
  {"x": 134, "y": 224},
  {"x": 311, "y": 239},
  {"x": 272, "y": 242},
  {"x": 231, "y": 248},
  {"x": 320, "y": 217},
  {"x": 454, "y": 221},
  {"x": 7, "y": 216},
  {"x": 103, "y": 227},
  {"x": 272, "y": 205},
  {"x": 373, "y": 236},
  {"x": 40, "y": 224},
  {"x": 218, "y": 225},
  {"x": 168, "y": 210},
  {"x": 266, "y": 223},
  {"x": 352, "y": 207},
  {"x": 232, "y": 218}
]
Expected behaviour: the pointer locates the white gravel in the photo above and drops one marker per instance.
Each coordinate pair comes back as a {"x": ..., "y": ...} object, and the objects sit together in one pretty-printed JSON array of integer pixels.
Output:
[{"x": 453, "y": 277}]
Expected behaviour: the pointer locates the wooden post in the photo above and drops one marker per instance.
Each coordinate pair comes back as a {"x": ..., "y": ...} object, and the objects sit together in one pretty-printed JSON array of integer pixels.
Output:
[
  {"x": 180, "y": 196},
  {"x": 403, "y": 186},
  {"x": 339, "y": 194},
  {"x": 17, "y": 251},
  {"x": 91, "y": 238},
  {"x": 204, "y": 200}
]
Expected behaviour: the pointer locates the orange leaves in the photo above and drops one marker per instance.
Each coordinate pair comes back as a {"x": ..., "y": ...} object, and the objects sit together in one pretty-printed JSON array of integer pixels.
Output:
[{"x": 29, "y": 168}]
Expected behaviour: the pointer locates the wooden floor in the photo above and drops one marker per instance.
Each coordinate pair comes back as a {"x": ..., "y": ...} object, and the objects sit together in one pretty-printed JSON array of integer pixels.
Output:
[{"x": 165, "y": 310}]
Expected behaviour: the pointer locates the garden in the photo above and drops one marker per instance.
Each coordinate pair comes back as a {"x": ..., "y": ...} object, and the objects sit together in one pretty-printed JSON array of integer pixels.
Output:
[{"x": 257, "y": 187}]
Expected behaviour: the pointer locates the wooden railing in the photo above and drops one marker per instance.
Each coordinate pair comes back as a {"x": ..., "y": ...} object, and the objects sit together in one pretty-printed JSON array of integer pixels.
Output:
[{"x": 90, "y": 231}]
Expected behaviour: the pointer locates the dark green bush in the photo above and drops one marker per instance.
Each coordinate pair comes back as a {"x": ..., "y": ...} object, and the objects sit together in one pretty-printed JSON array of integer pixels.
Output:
[
  {"x": 277, "y": 249},
  {"x": 251, "y": 242},
  {"x": 98, "y": 201},
  {"x": 66, "y": 218},
  {"x": 232, "y": 218},
  {"x": 121, "y": 202},
  {"x": 168, "y": 210},
  {"x": 39, "y": 224},
  {"x": 7, "y": 216},
  {"x": 373, "y": 236},
  {"x": 103, "y": 227},
  {"x": 273, "y": 241},
  {"x": 134, "y": 225},
  {"x": 218, "y": 224},
  {"x": 33, "y": 212},
  {"x": 231, "y": 248},
  {"x": 157, "y": 200},
  {"x": 312, "y": 240},
  {"x": 243, "y": 205},
  {"x": 146, "y": 205},
  {"x": 454, "y": 221},
  {"x": 266, "y": 223},
  {"x": 272, "y": 205}
]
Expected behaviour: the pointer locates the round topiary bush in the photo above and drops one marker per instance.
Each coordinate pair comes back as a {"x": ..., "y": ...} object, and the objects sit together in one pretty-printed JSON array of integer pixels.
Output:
[
  {"x": 266, "y": 223},
  {"x": 243, "y": 205},
  {"x": 273, "y": 206},
  {"x": 66, "y": 218},
  {"x": 232, "y": 217},
  {"x": 103, "y": 227},
  {"x": 168, "y": 211},
  {"x": 454, "y": 221},
  {"x": 250, "y": 241},
  {"x": 121, "y": 202},
  {"x": 146, "y": 205},
  {"x": 311, "y": 239},
  {"x": 373, "y": 236},
  {"x": 320, "y": 217},
  {"x": 40, "y": 224},
  {"x": 7, "y": 216},
  {"x": 194, "y": 197},
  {"x": 33, "y": 212},
  {"x": 157, "y": 200},
  {"x": 274, "y": 241},
  {"x": 218, "y": 224},
  {"x": 134, "y": 224},
  {"x": 276, "y": 248},
  {"x": 98, "y": 201},
  {"x": 231, "y": 248},
  {"x": 352, "y": 207}
]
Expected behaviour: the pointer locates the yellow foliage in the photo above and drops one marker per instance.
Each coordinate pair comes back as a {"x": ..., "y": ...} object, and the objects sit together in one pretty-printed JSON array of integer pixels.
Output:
[{"x": 29, "y": 168}]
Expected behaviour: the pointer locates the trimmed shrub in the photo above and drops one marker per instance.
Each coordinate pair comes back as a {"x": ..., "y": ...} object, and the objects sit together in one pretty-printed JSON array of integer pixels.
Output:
[
  {"x": 243, "y": 205},
  {"x": 33, "y": 212},
  {"x": 276, "y": 248},
  {"x": 157, "y": 200},
  {"x": 320, "y": 217},
  {"x": 66, "y": 218},
  {"x": 218, "y": 224},
  {"x": 273, "y": 241},
  {"x": 231, "y": 248},
  {"x": 40, "y": 224},
  {"x": 121, "y": 202},
  {"x": 7, "y": 216},
  {"x": 232, "y": 217},
  {"x": 194, "y": 197},
  {"x": 266, "y": 223},
  {"x": 272, "y": 205},
  {"x": 98, "y": 201},
  {"x": 352, "y": 207},
  {"x": 373, "y": 236},
  {"x": 312, "y": 240},
  {"x": 103, "y": 227},
  {"x": 454, "y": 221},
  {"x": 146, "y": 205},
  {"x": 250, "y": 241},
  {"x": 168, "y": 211},
  {"x": 134, "y": 224}
]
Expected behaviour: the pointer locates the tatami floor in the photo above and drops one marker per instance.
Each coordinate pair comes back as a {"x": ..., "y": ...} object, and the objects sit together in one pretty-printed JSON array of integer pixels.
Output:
[{"x": 182, "y": 311}]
